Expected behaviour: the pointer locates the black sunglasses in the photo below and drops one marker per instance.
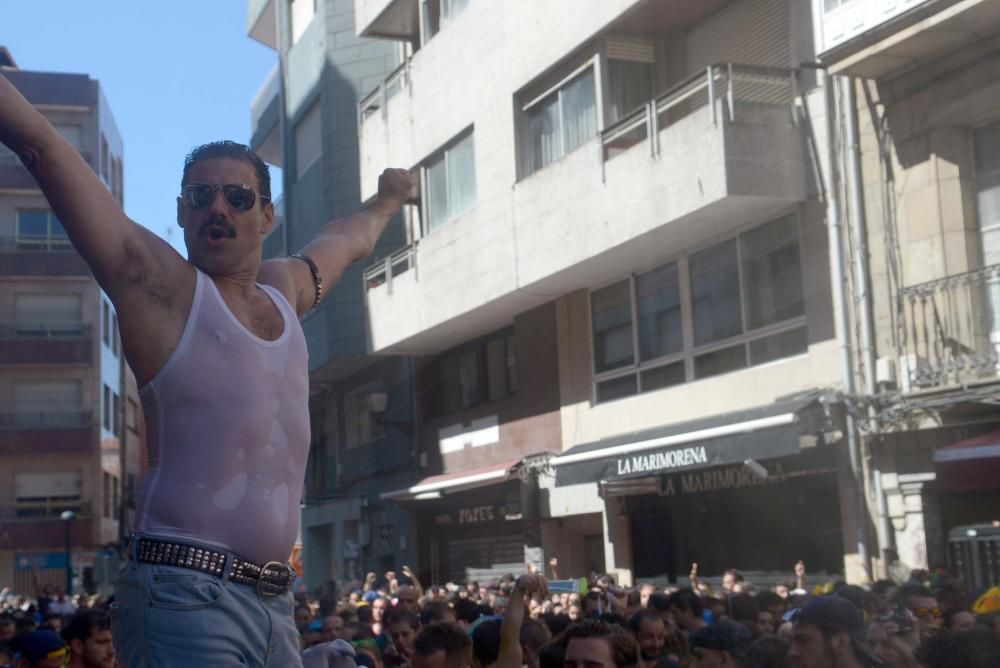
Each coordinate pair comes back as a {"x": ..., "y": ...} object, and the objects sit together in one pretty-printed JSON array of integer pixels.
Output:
[{"x": 239, "y": 196}]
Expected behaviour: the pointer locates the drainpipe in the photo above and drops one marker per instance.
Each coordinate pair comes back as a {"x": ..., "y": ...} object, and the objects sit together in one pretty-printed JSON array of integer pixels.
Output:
[
  {"x": 842, "y": 312},
  {"x": 862, "y": 284}
]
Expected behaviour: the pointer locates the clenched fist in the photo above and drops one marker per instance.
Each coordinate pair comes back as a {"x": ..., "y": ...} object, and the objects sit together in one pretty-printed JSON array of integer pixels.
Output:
[{"x": 397, "y": 185}]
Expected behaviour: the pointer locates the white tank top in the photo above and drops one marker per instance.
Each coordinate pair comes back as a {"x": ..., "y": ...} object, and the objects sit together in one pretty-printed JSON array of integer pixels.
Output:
[{"x": 227, "y": 421}]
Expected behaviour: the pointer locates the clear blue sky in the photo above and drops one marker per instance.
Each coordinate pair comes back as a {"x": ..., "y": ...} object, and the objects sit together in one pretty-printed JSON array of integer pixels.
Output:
[{"x": 176, "y": 74}]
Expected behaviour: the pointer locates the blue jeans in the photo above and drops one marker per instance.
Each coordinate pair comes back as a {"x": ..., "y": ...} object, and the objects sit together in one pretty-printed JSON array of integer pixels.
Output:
[{"x": 169, "y": 616}]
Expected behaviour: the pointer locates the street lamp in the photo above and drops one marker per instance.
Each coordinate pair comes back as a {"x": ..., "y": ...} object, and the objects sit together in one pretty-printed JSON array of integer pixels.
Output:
[{"x": 68, "y": 516}]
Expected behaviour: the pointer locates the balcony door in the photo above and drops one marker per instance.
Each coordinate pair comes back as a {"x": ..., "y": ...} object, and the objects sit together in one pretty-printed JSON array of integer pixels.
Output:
[{"x": 986, "y": 144}]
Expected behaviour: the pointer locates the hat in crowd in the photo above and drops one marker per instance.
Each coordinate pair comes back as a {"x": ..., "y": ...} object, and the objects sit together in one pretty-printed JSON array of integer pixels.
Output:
[
  {"x": 835, "y": 614},
  {"x": 725, "y": 636},
  {"x": 370, "y": 596},
  {"x": 315, "y": 625},
  {"x": 38, "y": 645},
  {"x": 335, "y": 654}
]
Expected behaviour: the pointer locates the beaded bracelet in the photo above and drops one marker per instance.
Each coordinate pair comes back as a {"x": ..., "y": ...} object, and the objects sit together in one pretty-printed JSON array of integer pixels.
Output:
[{"x": 317, "y": 279}]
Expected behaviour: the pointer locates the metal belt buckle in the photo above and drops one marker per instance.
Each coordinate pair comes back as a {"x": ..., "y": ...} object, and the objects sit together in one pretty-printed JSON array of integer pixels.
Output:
[{"x": 273, "y": 579}]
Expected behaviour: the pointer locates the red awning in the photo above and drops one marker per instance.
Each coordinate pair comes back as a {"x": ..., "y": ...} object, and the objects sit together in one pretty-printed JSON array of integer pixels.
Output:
[
  {"x": 969, "y": 465},
  {"x": 434, "y": 486}
]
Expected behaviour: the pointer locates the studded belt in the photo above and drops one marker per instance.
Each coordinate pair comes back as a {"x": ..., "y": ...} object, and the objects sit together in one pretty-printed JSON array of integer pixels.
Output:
[{"x": 271, "y": 579}]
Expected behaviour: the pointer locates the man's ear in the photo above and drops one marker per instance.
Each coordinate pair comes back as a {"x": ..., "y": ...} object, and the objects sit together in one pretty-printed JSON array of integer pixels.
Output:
[
  {"x": 840, "y": 642},
  {"x": 77, "y": 646},
  {"x": 180, "y": 209},
  {"x": 268, "y": 218}
]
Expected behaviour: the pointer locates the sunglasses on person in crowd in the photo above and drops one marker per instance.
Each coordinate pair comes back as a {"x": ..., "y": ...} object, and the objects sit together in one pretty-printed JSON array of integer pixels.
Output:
[
  {"x": 924, "y": 613},
  {"x": 240, "y": 196}
]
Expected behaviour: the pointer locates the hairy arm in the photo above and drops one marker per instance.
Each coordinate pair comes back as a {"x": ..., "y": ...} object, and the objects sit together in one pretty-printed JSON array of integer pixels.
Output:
[
  {"x": 119, "y": 252},
  {"x": 511, "y": 655},
  {"x": 339, "y": 243}
]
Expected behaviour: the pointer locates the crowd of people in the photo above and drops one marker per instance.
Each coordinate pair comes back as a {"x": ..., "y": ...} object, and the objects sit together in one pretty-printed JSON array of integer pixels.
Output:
[{"x": 589, "y": 623}]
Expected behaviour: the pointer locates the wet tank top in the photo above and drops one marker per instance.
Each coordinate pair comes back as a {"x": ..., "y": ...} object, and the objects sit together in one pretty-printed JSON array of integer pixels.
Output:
[{"x": 227, "y": 421}]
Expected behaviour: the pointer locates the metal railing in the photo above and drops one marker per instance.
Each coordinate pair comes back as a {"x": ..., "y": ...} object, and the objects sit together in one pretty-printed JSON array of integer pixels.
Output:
[
  {"x": 35, "y": 244},
  {"x": 950, "y": 329},
  {"x": 44, "y": 419},
  {"x": 49, "y": 508},
  {"x": 726, "y": 82},
  {"x": 383, "y": 271},
  {"x": 50, "y": 331},
  {"x": 378, "y": 98}
]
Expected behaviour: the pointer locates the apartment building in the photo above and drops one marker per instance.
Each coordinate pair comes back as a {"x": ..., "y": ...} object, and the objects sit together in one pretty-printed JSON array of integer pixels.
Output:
[
  {"x": 617, "y": 286},
  {"x": 926, "y": 192},
  {"x": 70, "y": 423},
  {"x": 304, "y": 120}
]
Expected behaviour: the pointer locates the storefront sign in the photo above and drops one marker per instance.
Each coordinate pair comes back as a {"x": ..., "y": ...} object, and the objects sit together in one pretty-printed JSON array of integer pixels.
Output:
[
  {"x": 729, "y": 477},
  {"x": 476, "y": 515},
  {"x": 659, "y": 461}
]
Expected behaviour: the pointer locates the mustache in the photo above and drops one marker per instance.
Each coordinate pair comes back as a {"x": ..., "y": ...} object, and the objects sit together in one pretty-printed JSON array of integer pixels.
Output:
[{"x": 227, "y": 227}]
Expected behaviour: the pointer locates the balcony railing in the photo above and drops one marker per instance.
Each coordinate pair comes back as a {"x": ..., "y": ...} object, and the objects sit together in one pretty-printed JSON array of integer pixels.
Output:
[
  {"x": 35, "y": 332},
  {"x": 383, "y": 271},
  {"x": 38, "y": 509},
  {"x": 729, "y": 82},
  {"x": 950, "y": 329},
  {"x": 44, "y": 419},
  {"x": 378, "y": 98}
]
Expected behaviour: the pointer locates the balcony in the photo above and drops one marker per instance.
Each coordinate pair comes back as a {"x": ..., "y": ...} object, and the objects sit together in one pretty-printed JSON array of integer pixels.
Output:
[
  {"x": 720, "y": 149},
  {"x": 47, "y": 344},
  {"x": 262, "y": 22},
  {"x": 393, "y": 19},
  {"x": 33, "y": 525},
  {"x": 881, "y": 38},
  {"x": 951, "y": 331},
  {"x": 40, "y": 433},
  {"x": 40, "y": 257},
  {"x": 265, "y": 116}
]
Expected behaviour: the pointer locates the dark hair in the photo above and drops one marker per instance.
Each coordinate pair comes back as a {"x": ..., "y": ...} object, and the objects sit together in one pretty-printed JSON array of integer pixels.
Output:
[
  {"x": 659, "y": 601},
  {"x": 435, "y": 611},
  {"x": 909, "y": 592},
  {"x": 646, "y": 614},
  {"x": 951, "y": 613},
  {"x": 768, "y": 599},
  {"x": 404, "y": 616},
  {"x": 534, "y": 634},
  {"x": 552, "y": 655},
  {"x": 84, "y": 623},
  {"x": 624, "y": 649},
  {"x": 467, "y": 611},
  {"x": 234, "y": 151},
  {"x": 742, "y": 607},
  {"x": 768, "y": 652},
  {"x": 974, "y": 649},
  {"x": 442, "y": 636},
  {"x": 735, "y": 573},
  {"x": 686, "y": 599},
  {"x": 486, "y": 642},
  {"x": 557, "y": 623}
]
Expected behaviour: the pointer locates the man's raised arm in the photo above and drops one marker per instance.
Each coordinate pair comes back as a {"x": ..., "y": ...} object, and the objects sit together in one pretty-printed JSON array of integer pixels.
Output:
[
  {"x": 116, "y": 248},
  {"x": 339, "y": 243}
]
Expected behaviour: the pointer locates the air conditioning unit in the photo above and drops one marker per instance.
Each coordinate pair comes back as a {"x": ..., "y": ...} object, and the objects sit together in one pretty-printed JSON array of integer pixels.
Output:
[
  {"x": 914, "y": 373},
  {"x": 885, "y": 373}
]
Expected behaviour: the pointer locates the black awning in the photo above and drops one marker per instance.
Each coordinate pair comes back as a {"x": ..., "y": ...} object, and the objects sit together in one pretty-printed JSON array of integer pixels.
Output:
[{"x": 729, "y": 438}]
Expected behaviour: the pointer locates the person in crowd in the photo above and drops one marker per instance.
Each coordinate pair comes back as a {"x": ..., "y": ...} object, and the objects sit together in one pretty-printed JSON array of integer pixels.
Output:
[
  {"x": 466, "y": 611},
  {"x": 436, "y": 611},
  {"x": 686, "y": 610},
  {"x": 650, "y": 630},
  {"x": 88, "y": 635},
  {"x": 8, "y": 629},
  {"x": 593, "y": 643},
  {"x": 333, "y": 627},
  {"x": 887, "y": 640},
  {"x": 442, "y": 645},
  {"x": 403, "y": 627},
  {"x": 721, "y": 644},
  {"x": 732, "y": 581},
  {"x": 978, "y": 648},
  {"x": 408, "y": 599},
  {"x": 534, "y": 635},
  {"x": 645, "y": 591},
  {"x": 486, "y": 642},
  {"x": 768, "y": 651},
  {"x": 828, "y": 634},
  {"x": 959, "y": 620},
  {"x": 923, "y": 604},
  {"x": 40, "y": 649},
  {"x": 378, "y": 607}
]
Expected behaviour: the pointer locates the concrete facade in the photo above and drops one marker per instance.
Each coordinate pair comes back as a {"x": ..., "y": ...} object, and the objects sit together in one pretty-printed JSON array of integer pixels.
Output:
[{"x": 71, "y": 424}]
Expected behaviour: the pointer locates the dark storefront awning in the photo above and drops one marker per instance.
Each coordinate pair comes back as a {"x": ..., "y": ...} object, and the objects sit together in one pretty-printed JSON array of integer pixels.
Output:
[
  {"x": 729, "y": 438},
  {"x": 969, "y": 465}
]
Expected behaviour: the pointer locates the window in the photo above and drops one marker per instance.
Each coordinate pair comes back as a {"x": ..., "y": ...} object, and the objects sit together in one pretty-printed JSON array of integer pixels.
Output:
[
  {"x": 629, "y": 86},
  {"x": 106, "y": 323},
  {"x": 39, "y": 229},
  {"x": 105, "y": 160},
  {"x": 469, "y": 376},
  {"x": 360, "y": 425},
  {"x": 48, "y": 315},
  {"x": 115, "y": 496},
  {"x": 107, "y": 494},
  {"x": 746, "y": 307},
  {"x": 986, "y": 143},
  {"x": 830, "y": 5},
  {"x": 107, "y": 408},
  {"x": 451, "y": 182},
  {"x": 114, "y": 333},
  {"x": 438, "y": 14},
  {"x": 116, "y": 414},
  {"x": 303, "y": 12},
  {"x": 45, "y": 403},
  {"x": 47, "y": 493},
  {"x": 132, "y": 416},
  {"x": 71, "y": 133},
  {"x": 560, "y": 122},
  {"x": 308, "y": 139}
]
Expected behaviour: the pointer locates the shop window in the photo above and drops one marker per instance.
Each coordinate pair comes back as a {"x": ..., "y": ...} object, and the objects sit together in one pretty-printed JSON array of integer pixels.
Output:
[{"x": 746, "y": 305}]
